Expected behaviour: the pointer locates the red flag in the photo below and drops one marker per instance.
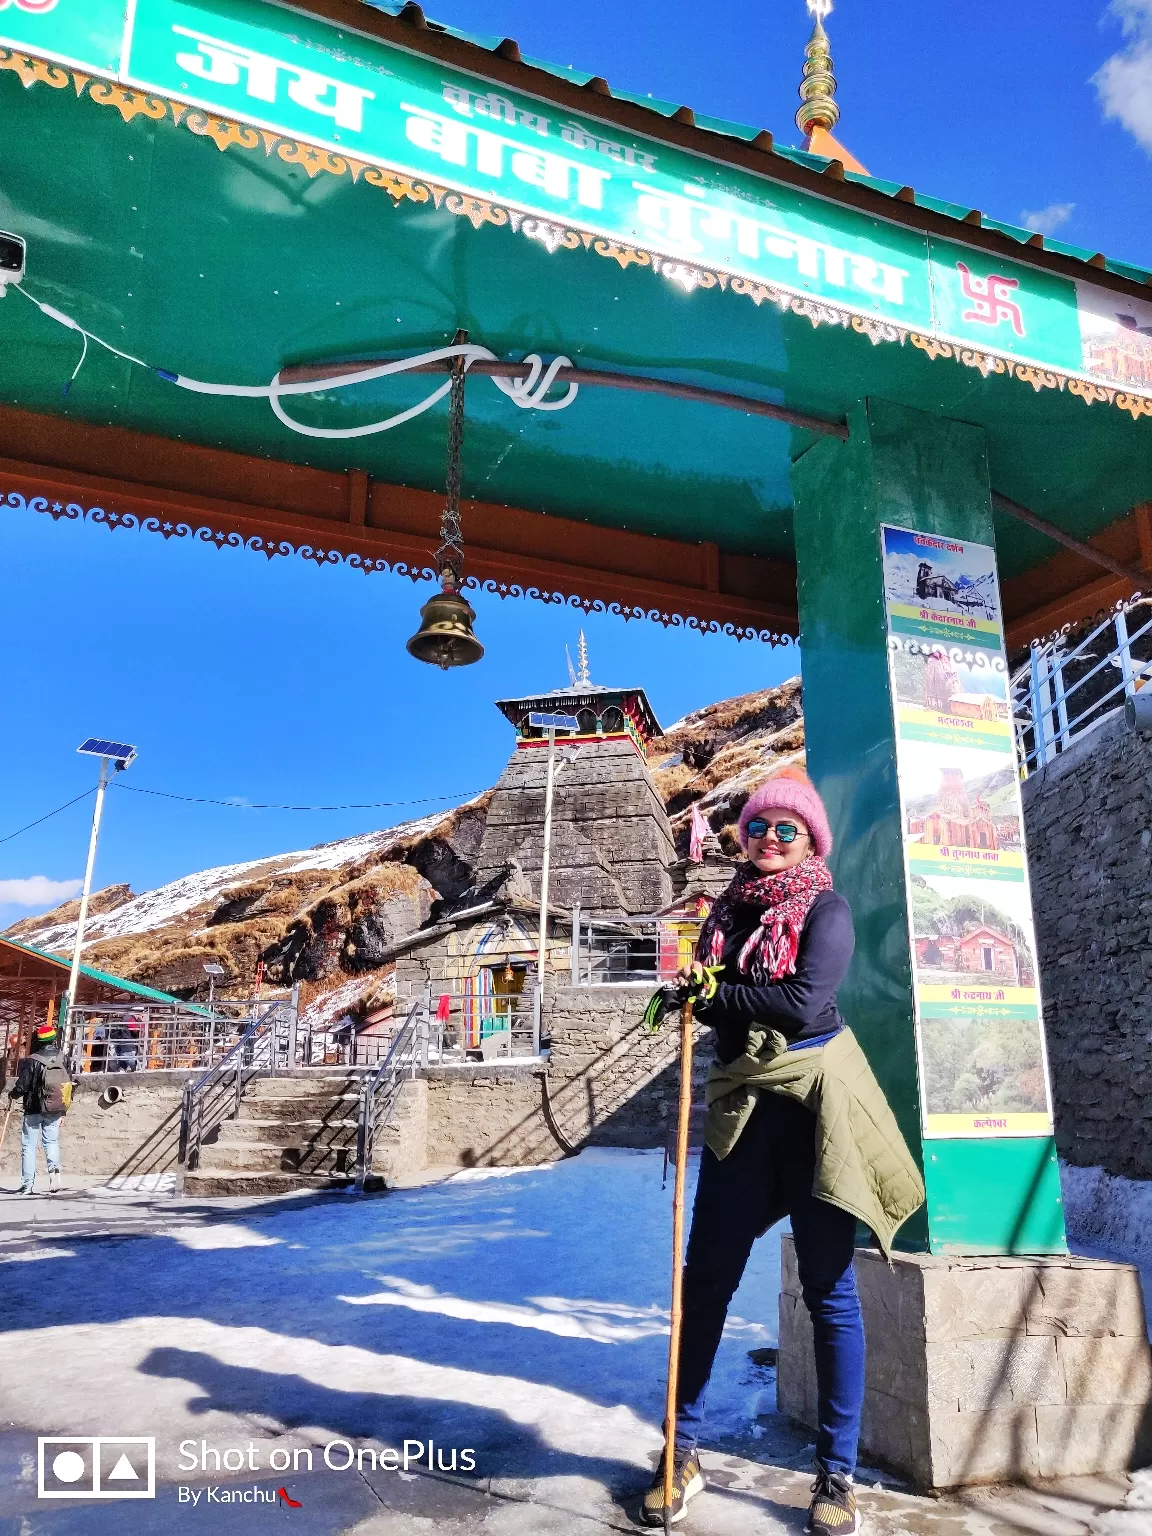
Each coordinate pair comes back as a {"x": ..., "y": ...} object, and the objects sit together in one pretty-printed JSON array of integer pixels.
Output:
[{"x": 700, "y": 830}]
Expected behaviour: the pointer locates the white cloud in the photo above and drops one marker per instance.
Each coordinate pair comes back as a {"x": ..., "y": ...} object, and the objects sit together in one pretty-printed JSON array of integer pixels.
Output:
[
  {"x": 1046, "y": 221},
  {"x": 38, "y": 891},
  {"x": 1124, "y": 82}
]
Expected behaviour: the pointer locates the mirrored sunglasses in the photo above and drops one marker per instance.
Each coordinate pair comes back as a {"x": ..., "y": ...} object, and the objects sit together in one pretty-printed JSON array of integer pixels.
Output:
[{"x": 783, "y": 831}]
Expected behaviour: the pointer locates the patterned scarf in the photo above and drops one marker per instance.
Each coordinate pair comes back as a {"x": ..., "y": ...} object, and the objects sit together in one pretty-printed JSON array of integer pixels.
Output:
[{"x": 785, "y": 900}]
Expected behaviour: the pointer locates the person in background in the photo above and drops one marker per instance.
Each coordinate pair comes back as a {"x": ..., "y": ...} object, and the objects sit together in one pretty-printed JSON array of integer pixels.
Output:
[
  {"x": 44, "y": 1085},
  {"x": 125, "y": 1039}
]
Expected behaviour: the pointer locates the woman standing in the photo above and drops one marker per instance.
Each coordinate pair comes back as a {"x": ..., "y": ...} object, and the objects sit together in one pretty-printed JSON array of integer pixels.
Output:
[{"x": 796, "y": 1126}]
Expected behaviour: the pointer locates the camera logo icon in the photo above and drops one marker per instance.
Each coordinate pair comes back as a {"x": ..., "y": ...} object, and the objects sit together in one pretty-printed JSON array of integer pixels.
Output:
[{"x": 96, "y": 1467}]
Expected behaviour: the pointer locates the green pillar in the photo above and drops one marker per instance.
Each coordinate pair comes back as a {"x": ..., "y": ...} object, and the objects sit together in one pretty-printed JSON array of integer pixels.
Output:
[{"x": 988, "y": 1192}]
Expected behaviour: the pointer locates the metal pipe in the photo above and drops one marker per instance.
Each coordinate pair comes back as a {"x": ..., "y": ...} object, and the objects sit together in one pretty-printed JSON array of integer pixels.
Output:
[
  {"x": 303, "y": 372},
  {"x": 1124, "y": 654},
  {"x": 639, "y": 383},
  {"x": 1089, "y": 551}
]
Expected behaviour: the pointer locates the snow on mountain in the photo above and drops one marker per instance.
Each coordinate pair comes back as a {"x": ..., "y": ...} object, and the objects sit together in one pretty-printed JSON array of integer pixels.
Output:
[
  {"x": 156, "y": 908},
  {"x": 303, "y": 916}
]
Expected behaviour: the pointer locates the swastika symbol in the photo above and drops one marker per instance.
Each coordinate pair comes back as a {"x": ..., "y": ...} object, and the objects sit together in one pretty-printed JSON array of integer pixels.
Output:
[{"x": 991, "y": 299}]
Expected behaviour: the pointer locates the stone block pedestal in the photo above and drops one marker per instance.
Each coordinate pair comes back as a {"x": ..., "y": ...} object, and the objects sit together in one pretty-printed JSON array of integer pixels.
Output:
[{"x": 987, "y": 1369}]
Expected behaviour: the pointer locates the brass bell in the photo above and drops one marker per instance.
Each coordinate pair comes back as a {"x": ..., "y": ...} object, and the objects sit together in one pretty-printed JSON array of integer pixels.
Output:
[{"x": 445, "y": 635}]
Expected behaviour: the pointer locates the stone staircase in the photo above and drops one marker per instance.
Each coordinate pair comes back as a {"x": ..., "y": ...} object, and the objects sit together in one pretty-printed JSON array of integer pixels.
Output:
[{"x": 294, "y": 1131}]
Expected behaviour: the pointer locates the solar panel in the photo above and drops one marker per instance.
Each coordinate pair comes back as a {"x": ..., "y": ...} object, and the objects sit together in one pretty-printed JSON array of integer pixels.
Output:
[
  {"x": 553, "y": 722},
  {"x": 96, "y": 746}
]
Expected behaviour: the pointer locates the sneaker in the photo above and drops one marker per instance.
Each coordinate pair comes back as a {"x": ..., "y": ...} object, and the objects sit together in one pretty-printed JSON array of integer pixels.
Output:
[
  {"x": 53, "y": 1181},
  {"x": 26, "y": 1189},
  {"x": 833, "y": 1509},
  {"x": 687, "y": 1482}
]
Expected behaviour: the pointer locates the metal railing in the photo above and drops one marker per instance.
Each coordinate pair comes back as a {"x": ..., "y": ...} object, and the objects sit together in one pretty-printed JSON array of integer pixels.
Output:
[
  {"x": 639, "y": 951},
  {"x": 465, "y": 1027},
  {"x": 380, "y": 1093},
  {"x": 1064, "y": 690},
  {"x": 149, "y": 1037},
  {"x": 265, "y": 1046}
]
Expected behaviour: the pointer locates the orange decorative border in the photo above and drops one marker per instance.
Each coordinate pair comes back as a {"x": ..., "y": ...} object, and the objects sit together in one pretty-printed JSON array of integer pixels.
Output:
[{"x": 226, "y": 134}]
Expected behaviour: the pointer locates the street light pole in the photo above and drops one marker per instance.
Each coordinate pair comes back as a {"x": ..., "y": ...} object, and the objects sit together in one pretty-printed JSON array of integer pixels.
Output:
[
  {"x": 74, "y": 975},
  {"x": 550, "y": 723},
  {"x": 114, "y": 756},
  {"x": 545, "y": 870}
]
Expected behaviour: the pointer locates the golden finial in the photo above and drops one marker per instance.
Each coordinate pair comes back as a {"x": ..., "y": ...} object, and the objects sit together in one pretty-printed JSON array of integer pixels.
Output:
[{"x": 818, "y": 87}]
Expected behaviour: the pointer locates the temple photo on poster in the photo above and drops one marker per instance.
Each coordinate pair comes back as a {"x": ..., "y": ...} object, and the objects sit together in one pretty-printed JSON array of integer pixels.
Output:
[
  {"x": 983, "y": 1063},
  {"x": 1116, "y": 332},
  {"x": 952, "y": 695},
  {"x": 961, "y": 812},
  {"x": 972, "y": 932},
  {"x": 947, "y": 580}
]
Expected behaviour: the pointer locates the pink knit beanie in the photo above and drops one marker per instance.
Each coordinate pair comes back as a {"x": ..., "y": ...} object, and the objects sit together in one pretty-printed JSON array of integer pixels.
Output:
[{"x": 790, "y": 790}]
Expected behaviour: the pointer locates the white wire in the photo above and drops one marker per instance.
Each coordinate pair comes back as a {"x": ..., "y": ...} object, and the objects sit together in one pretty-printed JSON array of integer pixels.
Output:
[
  {"x": 524, "y": 393},
  {"x": 80, "y": 364},
  {"x": 527, "y": 393},
  {"x": 74, "y": 325}
]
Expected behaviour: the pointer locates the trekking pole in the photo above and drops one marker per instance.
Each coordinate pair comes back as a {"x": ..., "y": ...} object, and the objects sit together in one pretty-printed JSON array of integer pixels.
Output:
[{"x": 677, "y": 1257}]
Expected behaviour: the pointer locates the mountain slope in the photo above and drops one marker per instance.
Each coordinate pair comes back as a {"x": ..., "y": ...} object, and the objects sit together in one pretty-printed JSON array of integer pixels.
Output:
[{"x": 323, "y": 916}]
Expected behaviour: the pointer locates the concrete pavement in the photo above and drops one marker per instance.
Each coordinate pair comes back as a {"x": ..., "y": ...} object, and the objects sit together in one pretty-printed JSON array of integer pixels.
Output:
[{"x": 88, "y": 1361}]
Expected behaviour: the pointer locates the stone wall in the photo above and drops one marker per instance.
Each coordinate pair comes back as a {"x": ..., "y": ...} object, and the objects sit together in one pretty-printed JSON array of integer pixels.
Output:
[
  {"x": 1088, "y": 820},
  {"x": 611, "y": 843},
  {"x": 401, "y": 1148},
  {"x": 139, "y": 1135},
  {"x": 987, "y": 1370},
  {"x": 608, "y": 1084},
  {"x": 444, "y": 961}
]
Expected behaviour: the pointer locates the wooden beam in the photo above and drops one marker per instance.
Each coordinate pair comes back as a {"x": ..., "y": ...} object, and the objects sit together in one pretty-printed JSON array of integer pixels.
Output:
[
  {"x": 1069, "y": 587},
  {"x": 175, "y": 488},
  {"x": 1090, "y": 553}
]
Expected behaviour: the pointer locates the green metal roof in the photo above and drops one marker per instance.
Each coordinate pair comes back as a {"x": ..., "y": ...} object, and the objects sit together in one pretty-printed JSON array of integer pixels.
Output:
[
  {"x": 732, "y": 130},
  {"x": 226, "y": 253},
  {"x": 104, "y": 978}
]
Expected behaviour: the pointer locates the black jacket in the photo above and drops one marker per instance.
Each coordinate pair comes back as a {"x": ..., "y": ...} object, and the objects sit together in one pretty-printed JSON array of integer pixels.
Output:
[
  {"x": 801, "y": 1006},
  {"x": 30, "y": 1080}
]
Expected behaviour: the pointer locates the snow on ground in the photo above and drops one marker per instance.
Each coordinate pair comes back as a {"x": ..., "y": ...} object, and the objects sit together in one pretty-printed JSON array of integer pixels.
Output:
[
  {"x": 1111, "y": 1218},
  {"x": 152, "y": 909},
  {"x": 521, "y": 1313}
]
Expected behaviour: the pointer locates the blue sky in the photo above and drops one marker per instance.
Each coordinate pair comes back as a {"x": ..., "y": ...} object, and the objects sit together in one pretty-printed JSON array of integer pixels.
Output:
[{"x": 1029, "y": 112}]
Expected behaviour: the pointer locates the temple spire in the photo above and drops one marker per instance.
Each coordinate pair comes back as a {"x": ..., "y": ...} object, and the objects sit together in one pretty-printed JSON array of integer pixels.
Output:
[
  {"x": 819, "y": 112},
  {"x": 818, "y": 107},
  {"x": 583, "y": 678}
]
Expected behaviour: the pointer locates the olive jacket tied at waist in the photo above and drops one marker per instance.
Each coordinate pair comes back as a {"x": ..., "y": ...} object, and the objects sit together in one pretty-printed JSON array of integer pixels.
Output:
[{"x": 863, "y": 1164}]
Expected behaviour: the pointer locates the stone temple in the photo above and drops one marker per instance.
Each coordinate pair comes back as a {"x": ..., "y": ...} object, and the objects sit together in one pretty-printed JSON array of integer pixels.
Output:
[{"x": 612, "y": 849}]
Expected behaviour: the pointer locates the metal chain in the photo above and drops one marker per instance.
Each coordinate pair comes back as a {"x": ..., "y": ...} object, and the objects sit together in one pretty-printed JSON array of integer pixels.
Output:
[{"x": 450, "y": 555}]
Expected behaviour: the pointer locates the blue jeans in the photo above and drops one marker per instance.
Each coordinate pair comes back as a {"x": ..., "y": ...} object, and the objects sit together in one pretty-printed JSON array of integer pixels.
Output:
[
  {"x": 773, "y": 1164},
  {"x": 35, "y": 1129}
]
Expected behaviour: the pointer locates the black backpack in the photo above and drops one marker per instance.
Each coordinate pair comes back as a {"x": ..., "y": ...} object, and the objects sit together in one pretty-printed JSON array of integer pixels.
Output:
[{"x": 53, "y": 1088}]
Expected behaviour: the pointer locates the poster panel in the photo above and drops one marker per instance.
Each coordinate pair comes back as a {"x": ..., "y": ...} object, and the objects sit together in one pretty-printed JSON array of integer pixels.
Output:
[
  {"x": 1116, "y": 336},
  {"x": 980, "y": 1038},
  {"x": 88, "y": 33}
]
